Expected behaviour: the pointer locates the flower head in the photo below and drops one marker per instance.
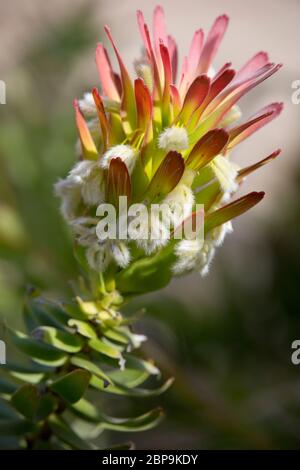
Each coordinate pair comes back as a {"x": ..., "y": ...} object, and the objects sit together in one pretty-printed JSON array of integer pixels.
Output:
[{"x": 161, "y": 140}]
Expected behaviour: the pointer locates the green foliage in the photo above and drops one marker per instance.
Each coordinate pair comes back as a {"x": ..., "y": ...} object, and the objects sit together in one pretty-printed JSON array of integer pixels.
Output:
[{"x": 65, "y": 362}]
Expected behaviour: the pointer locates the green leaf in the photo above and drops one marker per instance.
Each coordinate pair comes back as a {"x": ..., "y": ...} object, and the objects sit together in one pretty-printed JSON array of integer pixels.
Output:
[
  {"x": 38, "y": 350},
  {"x": 7, "y": 411},
  {"x": 115, "y": 335},
  {"x": 38, "y": 311},
  {"x": 34, "y": 373},
  {"x": 140, "y": 423},
  {"x": 128, "y": 378},
  {"x": 16, "y": 427},
  {"x": 83, "y": 328},
  {"x": 26, "y": 400},
  {"x": 105, "y": 348},
  {"x": 133, "y": 392},
  {"x": 134, "y": 362},
  {"x": 125, "y": 446},
  {"x": 71, "y": 386},
  {"x": 63, "y": 431},
  {"x": 135, "y": 373},
  {"x": 73, "y": 309},
  {"x": 79, "y": 361},
  {"x": 30, "y": 378},
  {"x": 147, "y": 274},
  {"x": 11, "y": 443},
  {"x": 6, "y": 386},
  {"x": 29, "y": 368},
  {"x": 47, "y": 405},
  {"x": 89, "y": 412},
  {"x": 60, "y": 339}
]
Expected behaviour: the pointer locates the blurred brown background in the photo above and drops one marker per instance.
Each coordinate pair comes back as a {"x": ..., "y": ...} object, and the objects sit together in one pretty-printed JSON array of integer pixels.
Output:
[{"x": 227, "y": 338}]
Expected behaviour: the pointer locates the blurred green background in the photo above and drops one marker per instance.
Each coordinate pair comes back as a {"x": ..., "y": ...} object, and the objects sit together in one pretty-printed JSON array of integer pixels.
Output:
[{"x": 227, "y": 338}]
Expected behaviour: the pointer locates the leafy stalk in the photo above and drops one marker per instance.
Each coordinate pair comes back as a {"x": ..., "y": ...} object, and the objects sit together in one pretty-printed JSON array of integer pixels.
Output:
[{"x": 74, "y": 352}]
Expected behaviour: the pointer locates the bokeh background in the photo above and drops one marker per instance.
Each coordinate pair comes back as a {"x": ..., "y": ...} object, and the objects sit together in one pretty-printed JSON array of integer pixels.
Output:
[{"x": 226, "y": 338}]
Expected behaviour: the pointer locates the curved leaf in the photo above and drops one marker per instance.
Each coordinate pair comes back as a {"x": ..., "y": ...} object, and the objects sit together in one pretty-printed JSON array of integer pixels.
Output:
[
  {"x": 16, "y": 427},
  {"x": 133, "y": 392},
  {"x": 79, "y": 361},
  {"x": 38, "y": 350},
  {"x": 63, "y": 431},
  {"x": 104, "y": 348},
  {"x": 71, "y": 386},
  {"x": 26, "y": 400},
  {"x": 60, "y": 339},
  {"x": 83, "y": 328},
  {"x": 90, "y": 412}
]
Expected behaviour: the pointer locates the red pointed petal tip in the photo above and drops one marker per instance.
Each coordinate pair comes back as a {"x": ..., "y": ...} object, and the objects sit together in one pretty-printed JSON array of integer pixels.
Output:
[
  {"x": 232, "y": 210},
  {"x": 278, "y": 106},
  {"x": 259, "y": 195},
  {"x": 118, "y": 181},
  {"x": 221, "y": 22},
  {"x": 254, "y": 63},
  {"x": 244, "y": 172},
  {"x": 276, "y": 153},
  {"x": 276, "y": 67},
  {"x": 210, "y": 145},
  {"x": 106, "y": 73},
  {"x": 212, "y": 43},
  {"x": 260, "y": 119},
  {"x": 128, "y": 102},
  {"x": 264, "y": 55},
  {"x": 143, "y": 104},
  {"x": 194, "y": 97},
  {"x": 167, "y": 175},
  {"x": 224, "y": 17},
  {"x": 220, "y": 25},
  {"x": 159, "y": 9},
  {"x": 101, "y": 115},
  {"x": 159, "y": 28},
  {"x": 87, "y": 143}
]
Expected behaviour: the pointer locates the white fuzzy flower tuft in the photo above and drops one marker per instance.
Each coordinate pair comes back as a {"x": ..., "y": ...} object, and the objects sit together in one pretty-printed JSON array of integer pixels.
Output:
[
  {"x": 98, "y": 255},
  {"x": 226, "y": 172},
  {"x": 120, "y": 253},
  {"x": 193, "y": 255},
  {"x": 187, "y": 252},
  {"x": 84, "y": 182},
  {"x": 69, "y": 192},
  {"x": 93, "y": 187},
  {"x": 197, "y": 255},
  {"x": 84, "y": 229},
  {"x": 173, "y": 138},
  {"x": 87, "y": 105},
  {"x": 180, "y": 200},
  {"x": 125, "y": 152},
  {"x": 149, "y": 232},
  {"x": 143, "y": 70},
  {"x": 219, "y": 233}
]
